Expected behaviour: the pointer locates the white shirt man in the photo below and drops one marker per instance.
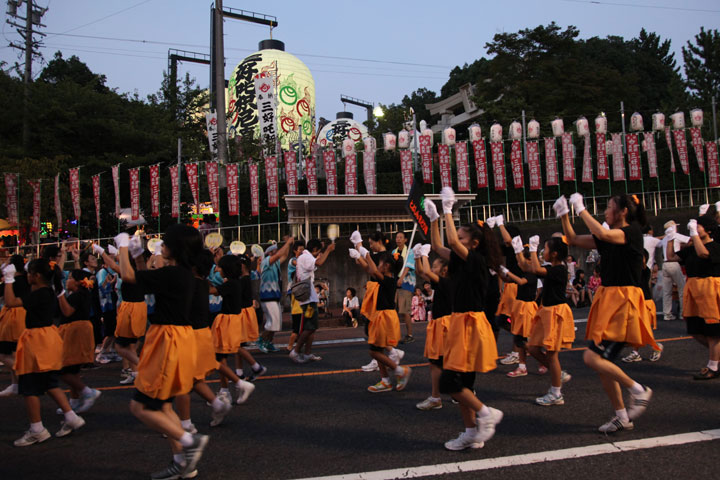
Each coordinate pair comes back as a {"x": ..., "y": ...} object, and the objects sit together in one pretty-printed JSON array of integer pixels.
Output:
[{"x": 671, "y": 272}]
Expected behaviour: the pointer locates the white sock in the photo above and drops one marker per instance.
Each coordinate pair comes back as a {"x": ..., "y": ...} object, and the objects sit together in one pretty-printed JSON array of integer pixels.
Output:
[
  {"x": 471, "y": 430},
  {"x": 386, "y": 379},
  {"x": 186, "y": 440},
  {"x": 239, "y": 372},
  {"x": 556, "y": 391},
  {"x": 36, "y": 427},
  {"x": 87, "y": 391},
  {"x": 713, "y": 365},
  {"x": 435, "y": 399},
  {"x": 636, "y": 389},
  {"x": 484, "y": 411},
  {"x": 217, "y": 404},
  {"x": 179, "y": 458},
  {"x": 622, "y": 415},
  {"x": 186, "y": 423},
  {"x": 399, "y": 370},
  {"x": 14, "y": 387},
  {"x": 224, "y": 390},
  {"x": 522, "y": 366},
  {"x": 70, "y": 416},
  {"x": 256, "y": 366}
]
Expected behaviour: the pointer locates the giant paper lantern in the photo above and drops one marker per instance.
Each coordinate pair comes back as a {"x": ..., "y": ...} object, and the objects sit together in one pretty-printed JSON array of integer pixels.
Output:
[
  {"x": 696, "y": 117},
  {"x": 294, "y": 90},
  {"x": 658, "y": 122},
  {"x": 533, "y": 129},
  {"x": 515, "y": 131},
  {"x": 341, "y": 128}
]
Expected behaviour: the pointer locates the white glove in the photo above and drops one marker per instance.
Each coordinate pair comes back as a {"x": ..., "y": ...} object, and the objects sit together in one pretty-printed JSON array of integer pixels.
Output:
[
  {"x": 533, "y": 243},
  {"x": 717, "y": 207},
  {"x": 417, "y": 250},
  {"x": 425, "y": 250},
  {"x": 354, "y": 254},
  {"x": 704, "y": 208},
  {"x": 517, "y": 244},
  {"x": 692, "y": 228},
  {"x": 431, "y": 210},
  {"x": 606, "y": 226},
  {"x": 561, "y": 207},
  {"x": 122, "y": 240},
  {"x": 490, "y": 222},
  {"x": 97, "y": 249},
  {"x": 670, "y": 231},
  {"x": 158, "y": 248},
  {"x": 363, "y": 251},
  {"x": 504, "y": 270},
  {"x": 355, "y": 238},
  {"x": 136, "y": 246},
  {"x": 9, "y": 273},
  {"x": 448, "y": 199},
  {"x": 61, "y": 294},
  {"x": 576, "y": 200},
  {"x": 499, "y": 220},
  {"x": 112, "y": 250}
]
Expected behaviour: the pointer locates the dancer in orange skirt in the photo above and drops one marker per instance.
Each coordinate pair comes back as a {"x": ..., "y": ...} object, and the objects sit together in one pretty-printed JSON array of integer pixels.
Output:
[
  {"x": 504, "y": 310},
  {"x": 12, "y": 324},
  {"x": 618, "y": 314},
  {"x": 167, "y": 362},
  {"x": 78, "y": 341},
  {"x": 441, "y": 311},
  {"x": 469, "y": 344},
  {"x": 701, "y": 302},
  {"x": 39, "y": 354},
  {"x": 650, "y": 310}
]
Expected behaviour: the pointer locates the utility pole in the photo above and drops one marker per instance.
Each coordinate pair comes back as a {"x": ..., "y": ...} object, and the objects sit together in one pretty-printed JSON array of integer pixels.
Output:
[{"x": 220, "y": 82}]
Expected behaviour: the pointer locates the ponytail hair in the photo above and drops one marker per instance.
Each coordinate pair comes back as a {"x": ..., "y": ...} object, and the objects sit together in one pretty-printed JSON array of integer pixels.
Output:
[
  {"x": 379, "y": 237},
  {"x": 82, "y": 278},
  {"x": 41, "y": 266},
  {"x": 488, "y": 244},
  {"x": 185, "y": 244},
  {"x": 635, "y": 209},
  {"x": 395, "y": 261},
  {"x": 558, "y": 246}
]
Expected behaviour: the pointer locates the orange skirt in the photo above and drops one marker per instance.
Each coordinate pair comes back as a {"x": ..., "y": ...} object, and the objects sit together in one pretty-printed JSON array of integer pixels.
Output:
[
  {"x": 507, "y": 299},
  {"x": 701, "y": 298},
  {"x": 651, "y": 310},
  {"x": 522, "y": 317},
  {"x": 12, "y": 323},
  {"x": 469, "y": 343},
  {"x": 370, "y": 299},
  {"x": 619, "y": 314},
  {"x": 435, "y": 336},
  {"x": 78, "y": 343},
  {"x": 205, "y": 363},
  {"x": 167, "y": 362},
  {"x": 384, "y": 329},
  {"x": 553, "y": 328},
  {"x": 230, "y": 331},
  {"x": 131, "y": 320},
  {"x": 39, "y": 350}
]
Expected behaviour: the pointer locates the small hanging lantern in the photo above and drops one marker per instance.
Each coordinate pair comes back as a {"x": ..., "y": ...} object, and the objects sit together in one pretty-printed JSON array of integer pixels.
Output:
[
  {"x": 389, "y": 141},
  {"x": 533, "y": 129},
  {"x": 449, "y": 136},
  {"x": 601, "y": 124},
  {"x": 475, "y": 132},
  {"x": 558, "y": 128},
  {"x": 496, "y": 133},
  {"x": 348, "y": 147},
  {"x": 658, "y": 122},
  {"x": 404, "y": 139},
  {"x": 515, "y": 131},
  {"x": 678, "y": 120},
  {"x": 370, "y": 144},
  {"x": 696, "y": 117},
  {"x": 636, "y": 122},
  {"x": 582, "y": 127},
  {"x": 430, "y": 134}
]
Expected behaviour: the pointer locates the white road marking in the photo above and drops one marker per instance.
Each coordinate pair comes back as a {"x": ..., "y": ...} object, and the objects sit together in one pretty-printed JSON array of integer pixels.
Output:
[{"x": 527, "y": 459}]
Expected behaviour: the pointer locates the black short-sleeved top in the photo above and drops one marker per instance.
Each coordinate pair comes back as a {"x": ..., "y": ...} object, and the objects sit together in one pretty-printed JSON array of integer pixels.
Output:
[
  {"x": 554, "y": 285},
  {"x": 376, "y": 259},
  {"x": 647, "y": 292},
  {"x": 621, "y": 265},
  {"x": 511, "y": 262},
  {"x": 21, "y": 287},
  {"x": 131, "y": 292},
  {"x": 442, "y": 298},
  {"x": 701, "y": 267},
  {"x": 173, "y": 289},
  {"x": 40, "y": 306},
  {"x": 528, "y": 292},
  {"x": 469, "y": 279},
  {"x": 200, "y": 308},
  {"x": 386, "y": 294},
  {"x": 81, "y": 301},
  {"x": 236, "y": 295}
]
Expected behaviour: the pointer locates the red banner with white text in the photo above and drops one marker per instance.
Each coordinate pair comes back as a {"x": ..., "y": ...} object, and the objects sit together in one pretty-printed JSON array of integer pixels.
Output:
[
  {"x": 551, "y": 168},
  {"x": 134, "y": 193},
  {"x": 213, "y": 179},
  {"x": 254, "y": 190},
  {"x": 533, "y": 155},
  {"x": 568, "y": 153},
  {"x": 351, "y": 174},
  {"x": 231, "y": 172},
  {"x": 603, "y": 172},
  {"x": 116, "y": 185},
  {"x": 11, "y": 197},
  {"x": 35, "y": 186},
  {"x": 271, "y": 179},
  {"x": 426, "y": 157},
  {"x": 651, "y": 154},
  {"x": 697, "y": 143},
  {"x": 291, "y": 173},
  {"x": 175, "y": 185},
  {"x": 406, "y": 170},
  {"x": 633, "y": 149},
  {"x": 58, "y": 205},
  {"x": 480, "y": 163},
  {"x": 444, "y": 161},
  {"x": 712, "y": 164},
  {"x": 369, "y": 172},
  {"x": 498, "y": 161},
  {"x": 516, "y": 164},
  {"x": 461, "y": 163},
  {"x": 191, "y": 169},
  {"x": 618, "y": 158},
  {"x": 75, "y": 191},
  {"x": 330, "y": 172},
  {"x": 311, "y": 174},
  {"x": 587, "y": 175},
  {"x": 155, "y": 190},
  {"x": 681, "y": 145},
  {"x": 96, "y": 197}
]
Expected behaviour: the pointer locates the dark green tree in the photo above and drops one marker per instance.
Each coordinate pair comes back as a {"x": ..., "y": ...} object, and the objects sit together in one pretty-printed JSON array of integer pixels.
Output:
[{"x": 702, "y": 65}]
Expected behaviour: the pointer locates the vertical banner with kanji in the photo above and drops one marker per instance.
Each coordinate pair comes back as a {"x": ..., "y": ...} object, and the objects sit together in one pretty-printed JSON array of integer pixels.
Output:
[
  {"x": 568, "y": 158},
  {"x": 351, "y": 174},
  {"x": 265, "y": 97},
  {"x": 533, "y": 155},
  {"x": 618, "y": 158},
  {"x": 587, "y": 175},
  {"x": 516, "y": 164},
  {"x": 271, "y": 178},
  {"x": 444, "y": 161},
  {"x": 406, "y": 170},
  {"x": 58, "y": 205},
  {"x": 311, "y": 174},
  {"x": 551, "y": 170},
  {"x": 155, "y": 190},
  {"x": 35, "y": 186},
  {"x": 461, "y": 163},
  {"x": 116, "y": 185},
  {"x": 213, "y": 179},
  {"x": 96, "y": 197},
  {"x": 651, "y": 154},
  {"x": 254, "y": 190},
  {"x": 330, "y": 172},
  {"x": 212, "y": 130},
  {"x": 192, "y": 173},
  {"x": 480, "y": 163},
  {"x": 426, "y": 157},
  {"x": 681, "y": 145},
  {"x": 75, "y": 191},
  {"x": 134, "y": 193},
  {"x": 633, "y": 149},
  {"x": 712, "y": 162},
  {"x": 603, "y": 173},
  {"x": 231, "y": 172},
  {"x": 369, "y": 172},
  {"x": 11, "y": 198},
  {"x": 291, "y": 172},
  {"x": 175, "y": 184},
  {"x": 498, "y": 161},
  {"x": 697, "y": 143}
]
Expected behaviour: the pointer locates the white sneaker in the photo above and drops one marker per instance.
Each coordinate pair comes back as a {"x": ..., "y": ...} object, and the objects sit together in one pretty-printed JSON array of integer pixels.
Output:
[
  {"x": 396, "y": 355},
  {"x": 634, "y": 356},
  {"x": 192, "y": 429},
  {"x": 87, "y": 401},
  {"x": 219, "y": 415},
  {"x": 66, "y": 428},
  {"x": 298, "y": 357},
  {"x": 29, "y": 438},
  {"x": 129, "y": 379},
  {"x": 429, "y": 404},
  {"x": 102, "y": 359},
  {"x": 463, "y": 441},
  {"x": 511, "y": 358},
  {"x": 10, "y": 390},
  {"x": 244, "y": 389},
  {"x": 370, "y": 367},
  {"x": 486, "y": 425},
  {"x": 615, "y": 425},
  {"x": 639, "y": 403},
  {"x": 74, "y": 404},
  {"x": 313, "y": 358},
  {"x": 550, "y": 399},
  {"x": 225, "y": 396}
]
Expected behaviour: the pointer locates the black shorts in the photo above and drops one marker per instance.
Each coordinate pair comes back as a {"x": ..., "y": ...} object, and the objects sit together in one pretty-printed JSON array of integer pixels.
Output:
[
  {"x": 454, "y": 382},
  {"x": 437, "y": 362},
  {"x": 607, "y": 349},
  {"x": 125, "y": 341},
  {"x": 375, "y": 348},
  {"x": 520, "y": 341},
  {"x": 8, "y": 348},
  {"x": 109, "y": 323},
  {"x": 149, "y": 402},
  {"x": 697, "y": 326},
  {"x": 221, "y": 356},
  {"x": 296, "y": 319},
  {"x": 70, "y": 370},
  {"x": 36, "y": 384},
  {"x": 309, "y": 317}
]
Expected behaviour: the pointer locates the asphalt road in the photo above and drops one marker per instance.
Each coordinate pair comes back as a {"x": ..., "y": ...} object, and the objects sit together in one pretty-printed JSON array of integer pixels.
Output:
[{"x": 318, "y": 420}]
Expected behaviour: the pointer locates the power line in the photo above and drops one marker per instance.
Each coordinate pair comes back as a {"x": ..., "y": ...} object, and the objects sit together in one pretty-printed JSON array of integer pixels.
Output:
[
  {"x": 658, "y": 7},
  {"x": 103, "y": 18}
]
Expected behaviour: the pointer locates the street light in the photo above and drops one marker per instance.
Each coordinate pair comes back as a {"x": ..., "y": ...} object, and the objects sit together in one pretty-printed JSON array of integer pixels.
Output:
[{"x": 378, "y": 112}]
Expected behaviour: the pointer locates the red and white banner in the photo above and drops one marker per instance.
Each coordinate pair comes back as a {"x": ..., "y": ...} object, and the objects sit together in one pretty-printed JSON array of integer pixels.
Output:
[
  {"x": 134, "y": 193},
  {"x": 633, "y": 149},
  {"x": 254, "y": 190},
  {"x": 271, "y": 179},
  {"x": 681, "y": 145},
  {"x": 311, "y": 174},
  {"x": 175, "y": 184},
  {"x": 534, "y": 166},
  {"x": 12, "y": 198},
  {"x": 191, "y": 169},
  {"x": 712, "y": 163},
  {"x": 155, "y": 190},
  {"x": 651, "y": 154},
  {"x": 498, "y": 161},
  {"x": 291, "y": 173},
  {"x": 231, "y": 172},
  {"x": 96, "y": 197},
  {"x": 516, "y": 164},
  {"x": 480, "y": 162},
  {"x": 213, "y": 179},
  {"x": 406, "y": 170},
  {"x": 697, "y": 143},
  {"x": 58, "y": 205},
  {"x": 444, "y": 161},
  {"x": 116, "y": 185},
  {"x": 587, "y": 175},
  {"x": 603, "y": 173},
  {"x": 426, "y": 157},
  {"x": 35, "y": 186},
  {"x": 568, "y": 153},
  {"x": 551, "y": 169},
  {"x": 668, "y": 139},
  {"x": 351, "y": 174},
  {"x": 369, "y": 172},
  {"x": 212, "y": 133},
  {"x": 461, "y": 162},
  {"x": 330, "y": 172},
  {"x": 618, "y": 157},
  {"x": 75, "y": 191}
]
